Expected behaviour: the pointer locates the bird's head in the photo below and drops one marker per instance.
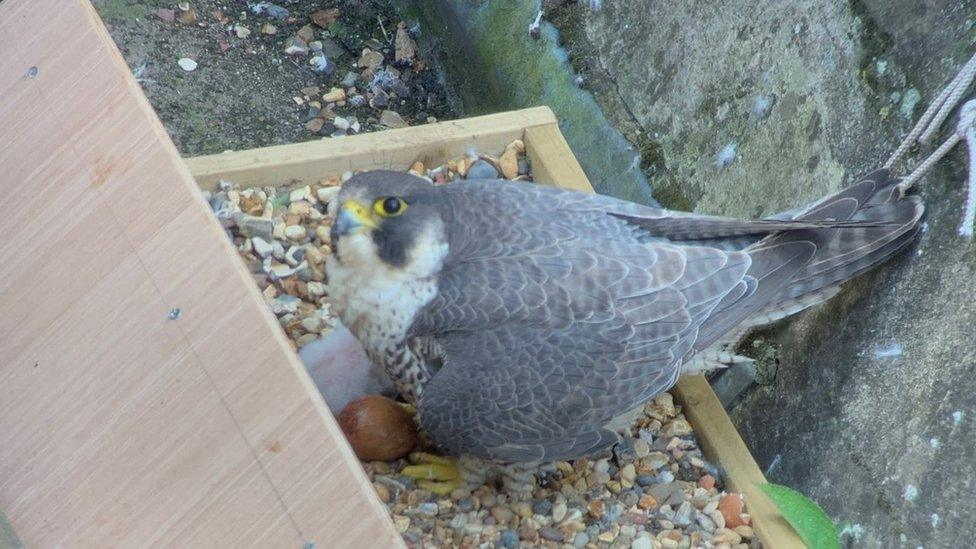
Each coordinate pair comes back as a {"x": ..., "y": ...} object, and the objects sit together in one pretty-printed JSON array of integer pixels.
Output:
[{"x": 386, "y": 219}]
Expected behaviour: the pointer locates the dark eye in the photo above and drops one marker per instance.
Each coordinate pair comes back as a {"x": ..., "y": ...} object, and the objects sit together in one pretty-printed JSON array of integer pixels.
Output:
[{"x": 392, "y": 205}]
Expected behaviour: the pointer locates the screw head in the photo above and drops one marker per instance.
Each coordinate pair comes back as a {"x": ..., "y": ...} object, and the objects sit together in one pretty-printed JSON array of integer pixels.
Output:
[{"x": 175, "y": 313}]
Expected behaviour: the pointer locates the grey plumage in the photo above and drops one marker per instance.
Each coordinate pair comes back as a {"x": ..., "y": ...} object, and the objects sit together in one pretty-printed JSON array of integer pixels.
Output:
[{"x": 556, "y": 312}]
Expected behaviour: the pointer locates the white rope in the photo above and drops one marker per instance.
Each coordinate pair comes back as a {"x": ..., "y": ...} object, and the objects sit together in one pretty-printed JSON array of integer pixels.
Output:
[
  {"x": 929, "y": 124},
  {"x": 967, "y": 126}
]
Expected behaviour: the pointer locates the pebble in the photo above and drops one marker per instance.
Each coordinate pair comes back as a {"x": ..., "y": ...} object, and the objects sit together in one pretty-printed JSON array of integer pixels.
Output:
[
  {"x": 295, "y": 232},
  {"x": 349, "y": 80},
  {"x": 731, "y": 508},
  {"x": 551, "y": 534},
  {"x": 334, "y": 95},
  {"x": 559, "y": 511},
  {"x": 683, "y": 515},
  {"x": 370, "y": 59},
  {"x": 261, "y": 247},
  {"x": 187, "y": 64},
  {"x": 482, "y": 169},
  {"x": 596, "y": 509},
  {"x": 542, "y": 507},
  {"x": 503, "y": 515},
  {"x": 296, "y": 46},
  {"x": 509, "y": 539},
  {"x": 392, "y": 119},
  {"x": 628, "y": 473}
]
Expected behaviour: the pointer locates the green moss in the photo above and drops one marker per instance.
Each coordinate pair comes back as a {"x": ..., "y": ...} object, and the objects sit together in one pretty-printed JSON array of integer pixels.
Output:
[
  {"x": 117, "y": 10},
  {"x": 875, "y": 44},
  {"x": 494, "y": 65},
  {"x": 766, "y": 355}
]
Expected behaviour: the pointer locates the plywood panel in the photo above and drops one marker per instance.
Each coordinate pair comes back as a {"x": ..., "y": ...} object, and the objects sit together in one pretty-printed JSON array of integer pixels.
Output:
[
  {"x": 394, "y": 149},
  {"x": 119, "y": 425}
]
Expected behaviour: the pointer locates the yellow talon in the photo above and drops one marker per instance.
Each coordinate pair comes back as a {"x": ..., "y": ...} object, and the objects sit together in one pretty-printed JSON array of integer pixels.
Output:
[{"x": 436, "y": 474}]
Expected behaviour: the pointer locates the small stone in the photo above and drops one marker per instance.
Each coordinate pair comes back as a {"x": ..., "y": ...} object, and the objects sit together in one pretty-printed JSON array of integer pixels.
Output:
[
  {"x": 628, "y": 473},
  {"x": 294, "y": 232},
  {"x": 707, "y": 482},
  {"x": 628, "y": 531},
  {"x": 509, "y": 539},
  {"x": 334, "y": 95},
  {"x": 682, "y": 517},
  {"x": 656, "y": 460},
  {"x": 188, "y": 17},
  {"x": 322, "y": 233},
  {"x": 251, "y": 226},
  {"x": 508, "y": 163},
  {"x": 642, "y": 543},
  {"x": 459, "y": 521},
  {"x": 315, "y": 125},
  {"x": 647, "y": 502},
  {"x": 327, "y": 194},
  {"x": 405, "y": 47},
  {"x": 559, "y": 511},
  {"x": 382, "y": 492},
  {"x": 542, "y": 507},
  {"x": 241, "y": 31},
  {"x": 306, "y": 33},
  {"x": 341, "y": 123},
  {"x": 349, "y": 80},
  {"x": 527, "y": 532},
  {"x": 607, "y": 537},
  {"x": 370, "y": 59},
  {"x": 401, "y": 523},
  {"x": 678, "y": 427},
  {"x": 551, "y": 534},
  {"x": 392, "y": 119},
  {"x": 285, "y": 304},
  {"x": 187, "y": 64},
  {"x": 261, "y": 247},
  {"x": 641, "y": 448},
  {"x": 312, "y": 323},
  {"x": 731, "y": 508},
  {"x": 744, "y": 530},
  {"x": 165, "y": 14},
  {"x": 268, "y": 28},
  {"x": 295, "y": 46},
  {"x": 324, "y": 18},
  {"x": 596, "y": 509},
  {"x": 482, "y": 169},
  {"x": 502, "y": 514}
]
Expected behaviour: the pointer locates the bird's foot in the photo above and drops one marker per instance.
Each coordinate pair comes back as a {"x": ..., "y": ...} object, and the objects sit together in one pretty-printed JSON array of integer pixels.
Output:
[{"x": 436, "y": 474}]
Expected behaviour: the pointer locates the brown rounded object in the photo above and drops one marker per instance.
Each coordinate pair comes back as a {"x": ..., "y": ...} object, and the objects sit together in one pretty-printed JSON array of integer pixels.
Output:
[{"x": 378, "y": 429}]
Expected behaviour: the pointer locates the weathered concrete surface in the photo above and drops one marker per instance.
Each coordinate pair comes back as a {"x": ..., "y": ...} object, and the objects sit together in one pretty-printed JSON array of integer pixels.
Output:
[{"x": 812, "y": 94}]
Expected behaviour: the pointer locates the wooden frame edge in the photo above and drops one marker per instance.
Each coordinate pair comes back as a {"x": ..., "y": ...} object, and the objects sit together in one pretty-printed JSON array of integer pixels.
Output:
[{"x": 309, "y": 161}]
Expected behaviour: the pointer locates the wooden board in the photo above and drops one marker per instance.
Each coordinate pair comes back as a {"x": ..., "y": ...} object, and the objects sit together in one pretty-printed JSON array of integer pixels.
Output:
[
  {"x": 119, "y": 425},
  {"x": 310, "y": 161}
]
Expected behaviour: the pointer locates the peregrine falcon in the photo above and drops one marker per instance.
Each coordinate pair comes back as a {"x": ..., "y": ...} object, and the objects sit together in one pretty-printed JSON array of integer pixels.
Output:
[{"x": 524, "y": 321}]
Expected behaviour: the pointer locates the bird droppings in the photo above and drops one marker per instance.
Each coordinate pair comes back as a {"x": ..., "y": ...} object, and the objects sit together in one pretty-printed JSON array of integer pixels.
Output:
[
  {"x": 773, "y": 464},
  {"x": 935, "y": 520},
  {"x": 892, "y": 350},
  {"x": 654, "y": 490},
  {"x": 852, "y": 531},
  {"x": 934, "y": 442},
  {"x": 910, "y": 493},
  {"x": 957, "y": 417},
  {"x": 762, "y": 105},
  {"x": 726, "y": 155}
]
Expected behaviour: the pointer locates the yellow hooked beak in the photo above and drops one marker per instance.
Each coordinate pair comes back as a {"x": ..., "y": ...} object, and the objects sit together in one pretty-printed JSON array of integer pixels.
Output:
[{"x": 353, "y": 215}]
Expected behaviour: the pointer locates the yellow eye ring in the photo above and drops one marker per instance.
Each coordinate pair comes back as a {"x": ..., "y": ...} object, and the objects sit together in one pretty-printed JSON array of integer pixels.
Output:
[{"x": 389, "y": 206}]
